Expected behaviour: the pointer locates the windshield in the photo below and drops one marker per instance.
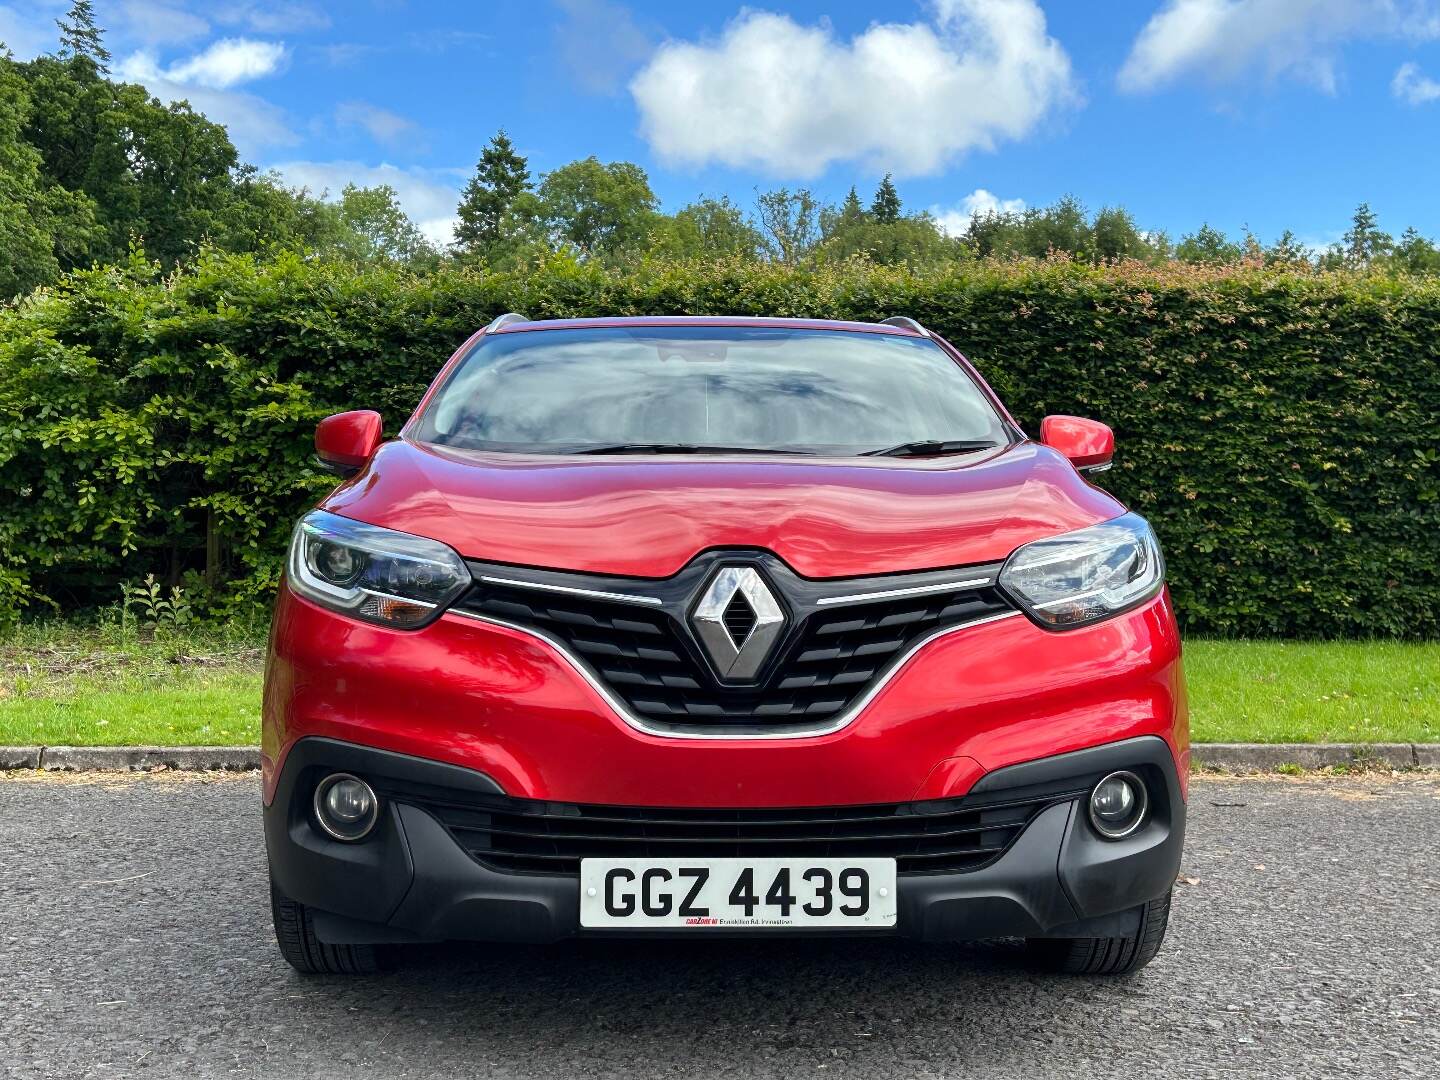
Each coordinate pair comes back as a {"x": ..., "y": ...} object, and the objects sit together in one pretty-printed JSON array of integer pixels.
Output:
[{"x": 732, "y": 387}]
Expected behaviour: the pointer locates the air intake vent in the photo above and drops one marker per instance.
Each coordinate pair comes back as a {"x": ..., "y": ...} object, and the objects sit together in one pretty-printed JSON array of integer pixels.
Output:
[{"x": 545, "y": 837}]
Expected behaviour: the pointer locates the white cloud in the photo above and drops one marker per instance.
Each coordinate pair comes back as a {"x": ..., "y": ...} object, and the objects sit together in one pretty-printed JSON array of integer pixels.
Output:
[
  {"x": 253, "y": 123},
  {"x": 344, "y": 53},
  {"x": 273, "y": 18},
  {"x": 29, "y": 30},
  {"x": 223, "y": 64},
  {"x": 956, "y": 220},
  {"x": 1413, "y": 87},
  {"x": 383, "y": 125},
  {"x": 161, "y": 22},
  {"x": 1318, "y": 243},
  {"x": 1224, "y": 39},
  {"x": 599, "y": 43},
  {"x": 166, "y": 22},
  {"x": 428, "y": 196},
  {"x": 903, "y": 97},
  {"x": 440, "y": 231},
  {"x": 203, "y": 80}
]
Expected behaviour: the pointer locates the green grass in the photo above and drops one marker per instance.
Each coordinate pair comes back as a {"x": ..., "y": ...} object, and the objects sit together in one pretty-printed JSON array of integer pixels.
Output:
[
  {"x": 68, "y": 684},
  {"x": 218, "y": 709},
  {"x": 1279, "y": 691}
]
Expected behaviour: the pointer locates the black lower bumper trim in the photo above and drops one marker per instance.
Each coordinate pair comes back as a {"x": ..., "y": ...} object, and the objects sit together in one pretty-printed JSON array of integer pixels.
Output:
[{"x": 412, "y": 881}]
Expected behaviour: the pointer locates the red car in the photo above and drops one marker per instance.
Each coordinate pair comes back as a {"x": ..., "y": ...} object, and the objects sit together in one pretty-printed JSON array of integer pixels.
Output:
[{"x": 721, "y": 626}]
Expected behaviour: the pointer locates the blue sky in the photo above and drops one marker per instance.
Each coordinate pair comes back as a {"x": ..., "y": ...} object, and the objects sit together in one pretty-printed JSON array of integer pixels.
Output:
[{"x": 1270, "y": 114}]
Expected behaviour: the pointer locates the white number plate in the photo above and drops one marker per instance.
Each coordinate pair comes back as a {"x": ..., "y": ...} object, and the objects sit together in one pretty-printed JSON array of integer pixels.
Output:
[{"x": 779, "y": 893}]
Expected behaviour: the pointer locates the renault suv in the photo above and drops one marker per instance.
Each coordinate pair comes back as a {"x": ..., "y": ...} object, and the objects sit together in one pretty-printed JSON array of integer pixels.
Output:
[{"x": 721, "y": 626}]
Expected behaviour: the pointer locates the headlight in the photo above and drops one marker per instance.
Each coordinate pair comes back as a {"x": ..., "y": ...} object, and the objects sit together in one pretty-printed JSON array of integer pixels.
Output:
[
  {"x": 375, "y": 574},
  {"x": 1086, "y": 575}
]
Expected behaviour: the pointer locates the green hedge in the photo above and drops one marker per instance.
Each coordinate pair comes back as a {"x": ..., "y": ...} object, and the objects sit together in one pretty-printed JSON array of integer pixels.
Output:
[{"x": 1280, "y": 430}]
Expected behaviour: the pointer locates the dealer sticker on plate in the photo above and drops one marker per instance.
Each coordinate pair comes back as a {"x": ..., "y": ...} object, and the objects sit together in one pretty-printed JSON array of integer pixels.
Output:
[{"x": 621, "y": 893}]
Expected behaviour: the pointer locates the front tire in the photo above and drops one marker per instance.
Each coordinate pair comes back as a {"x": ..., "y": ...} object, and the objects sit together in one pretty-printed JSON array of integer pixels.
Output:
[
  {"x": 1107, "y": 955},
  {"x": 306, "y": 953}
]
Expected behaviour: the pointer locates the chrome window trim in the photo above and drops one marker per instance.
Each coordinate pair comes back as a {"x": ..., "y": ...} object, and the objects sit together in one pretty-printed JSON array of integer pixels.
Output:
[
  {"x": 914, "y": 590},
  {"x": 679, "y": 731},
  {"x": 594, "y": 594}
]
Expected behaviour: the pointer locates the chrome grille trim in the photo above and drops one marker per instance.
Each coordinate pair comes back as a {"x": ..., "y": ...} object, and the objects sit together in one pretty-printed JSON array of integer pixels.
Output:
[
  {"x": 594, "y": 594},
  {"x": 915, "y": 590}
]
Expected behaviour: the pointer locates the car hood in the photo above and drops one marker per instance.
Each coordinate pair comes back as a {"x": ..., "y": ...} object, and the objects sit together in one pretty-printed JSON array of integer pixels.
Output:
[{"x": 649, "y": 516}]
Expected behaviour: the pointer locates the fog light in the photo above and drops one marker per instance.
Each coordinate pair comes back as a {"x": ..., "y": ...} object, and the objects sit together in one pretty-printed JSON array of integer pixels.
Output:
[
  {"x": 346, "y": 807},
  {"x": 1118, "y": 805}
]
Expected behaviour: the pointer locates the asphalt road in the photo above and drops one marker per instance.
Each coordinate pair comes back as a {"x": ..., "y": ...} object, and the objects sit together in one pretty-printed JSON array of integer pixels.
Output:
[{"x": 135, "y": 941}]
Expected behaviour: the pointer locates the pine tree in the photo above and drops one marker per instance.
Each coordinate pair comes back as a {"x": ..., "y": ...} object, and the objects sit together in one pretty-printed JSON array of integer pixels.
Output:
[
  {"x": 500, "y": 178},
  {"x": 1365, "y": 241},
  {"x": 851, "y": 212},
  {"x": 81, "y": 36},
  {"x": 886, "y": 207}
]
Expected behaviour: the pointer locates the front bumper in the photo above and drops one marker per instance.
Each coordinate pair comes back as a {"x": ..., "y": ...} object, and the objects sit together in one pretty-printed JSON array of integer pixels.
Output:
[
  {"x": 411, "y": 880},
  {"x": 506, "y": 704}
]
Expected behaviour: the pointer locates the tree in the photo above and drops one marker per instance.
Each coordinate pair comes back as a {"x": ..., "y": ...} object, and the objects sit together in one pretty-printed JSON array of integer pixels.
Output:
[
  {"x": 1364, "y": 242},
  {"x": 81, "y": 38},
  {"x": 835, "y": 221},
  {"x": 67, "y": 104},
  {"x": 1063, "y": 227},
  {"x": 1113, "y": 236},
  {"x": 910, "y": 241},
  {"x": 375, "y": 229},
  {"x": 788, "y": 221},
  {"x": 118, "y": 168},
  {"x": 159, "y": 174},
  {"x": 992, "y": 234},
  {"x": 706, "y": 229},
  {"x": 849, "y": 231},
  {"x": 886, "y": 207},
  {"x": 1207, "y": 245},
  {"x": 1415, "y": 254},
  {"x": 602, "y": 210},
  {"x": 487, "y": 204},
  {"x": 264, "y": 214},
  {"x": 1287, "y": 252},
  {"x": 40, "y": 222}
]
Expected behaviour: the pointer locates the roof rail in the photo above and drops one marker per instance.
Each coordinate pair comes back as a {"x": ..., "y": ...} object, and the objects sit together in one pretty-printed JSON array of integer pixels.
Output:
[
  {"x": 505, "y": 320},
  {"x": 907, "y": 322}
]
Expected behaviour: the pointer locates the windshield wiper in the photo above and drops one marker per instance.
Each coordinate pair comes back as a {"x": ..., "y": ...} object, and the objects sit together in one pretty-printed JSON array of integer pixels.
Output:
[
  {"x": 932, "y": 448},
  {"x": 678, "y": 448}
]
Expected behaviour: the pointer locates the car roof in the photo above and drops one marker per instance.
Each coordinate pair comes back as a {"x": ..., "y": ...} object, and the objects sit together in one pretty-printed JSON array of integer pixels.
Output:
[{"x": 519, "y": 326}]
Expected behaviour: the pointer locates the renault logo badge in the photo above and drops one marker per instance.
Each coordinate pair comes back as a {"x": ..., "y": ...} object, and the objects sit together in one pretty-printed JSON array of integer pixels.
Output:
[{"x": 738, "y": 621}]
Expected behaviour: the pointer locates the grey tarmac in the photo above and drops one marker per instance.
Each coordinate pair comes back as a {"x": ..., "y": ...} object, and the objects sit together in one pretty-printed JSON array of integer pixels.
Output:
[{"x": 135, "y": 941}]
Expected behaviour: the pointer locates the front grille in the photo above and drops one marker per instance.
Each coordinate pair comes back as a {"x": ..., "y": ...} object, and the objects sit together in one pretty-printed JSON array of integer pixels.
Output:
[
  {"x": 526, "y": 835},
  {"x": 647, "y": 657}
]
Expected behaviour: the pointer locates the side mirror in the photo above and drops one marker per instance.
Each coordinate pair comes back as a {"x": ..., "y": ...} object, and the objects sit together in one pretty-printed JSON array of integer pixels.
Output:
[
  {"x": 1088, "y": 444},
  {"x": 345, "y": 442}
]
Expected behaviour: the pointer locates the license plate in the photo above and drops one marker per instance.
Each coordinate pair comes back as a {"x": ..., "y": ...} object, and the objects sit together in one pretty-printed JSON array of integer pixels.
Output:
[{"x": 760, "y": 893}]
